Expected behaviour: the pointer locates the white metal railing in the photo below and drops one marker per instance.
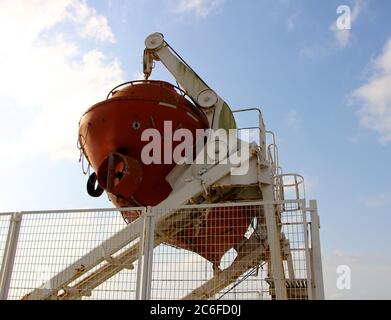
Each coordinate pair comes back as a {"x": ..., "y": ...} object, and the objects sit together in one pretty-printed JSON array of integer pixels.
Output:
[
  {"x": 269, "y": 151},
  {"x": 92, "y": 253},
  {"x": 289, "y": 186},
  {"x": 260, "y": 127}
]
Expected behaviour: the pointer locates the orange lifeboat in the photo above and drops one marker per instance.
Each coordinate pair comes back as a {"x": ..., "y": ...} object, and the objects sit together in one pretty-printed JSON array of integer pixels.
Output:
[{"x": 110, "y": 138}]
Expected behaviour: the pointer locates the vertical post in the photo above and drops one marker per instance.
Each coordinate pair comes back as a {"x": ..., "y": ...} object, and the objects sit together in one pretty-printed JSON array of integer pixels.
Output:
[
  {"x": 317, "y": 273},
  {"x": 291, "y": 270},
  {"x": 9, "y": 254},
  {"x": 262, "y": 136},
  {"x": 148, "y": 258},
  {"x": 140, "y": 258},
  {"x": 274, "y": 238},
  {"x": 146, "y": 244},
  {"x": 307, "y": 254}
]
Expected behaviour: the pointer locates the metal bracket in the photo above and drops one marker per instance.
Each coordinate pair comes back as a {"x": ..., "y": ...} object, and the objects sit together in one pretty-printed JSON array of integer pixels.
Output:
[{"x": 114, "y": 261}]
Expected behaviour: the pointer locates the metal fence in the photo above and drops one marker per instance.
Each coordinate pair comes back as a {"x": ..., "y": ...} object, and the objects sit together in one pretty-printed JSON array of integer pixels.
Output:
[{"x": 209, "y": 251}]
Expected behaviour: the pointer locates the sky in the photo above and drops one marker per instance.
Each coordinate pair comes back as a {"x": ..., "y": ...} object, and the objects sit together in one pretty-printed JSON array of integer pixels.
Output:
[{"x": 323, "y": 91}]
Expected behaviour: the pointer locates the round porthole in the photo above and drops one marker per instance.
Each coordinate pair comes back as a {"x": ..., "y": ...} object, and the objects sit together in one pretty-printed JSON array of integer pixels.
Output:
[{"x": 136, "y": 125}]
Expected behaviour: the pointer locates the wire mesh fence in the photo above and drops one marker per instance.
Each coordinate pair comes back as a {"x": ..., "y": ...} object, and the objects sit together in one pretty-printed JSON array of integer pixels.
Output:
[
  {"x": 223, "y": 253},
  {"x": 200, "y": 252},
  {"x": 50, "y": 242}
]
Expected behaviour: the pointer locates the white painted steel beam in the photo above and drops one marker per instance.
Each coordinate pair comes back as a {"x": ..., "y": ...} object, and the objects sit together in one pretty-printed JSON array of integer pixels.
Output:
[
  {"x": 9, "y": 254},
  {"x": 316, "y": 256}
]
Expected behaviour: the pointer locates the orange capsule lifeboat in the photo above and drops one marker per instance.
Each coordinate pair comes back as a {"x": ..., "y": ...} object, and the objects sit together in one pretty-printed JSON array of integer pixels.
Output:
[{"x": 110, "y": 138}]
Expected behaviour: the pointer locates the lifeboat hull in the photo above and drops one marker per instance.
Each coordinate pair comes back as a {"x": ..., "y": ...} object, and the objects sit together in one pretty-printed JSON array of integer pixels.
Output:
[
  {"x": 115, "y": 126},
  {"x": 110, "y": 137}
]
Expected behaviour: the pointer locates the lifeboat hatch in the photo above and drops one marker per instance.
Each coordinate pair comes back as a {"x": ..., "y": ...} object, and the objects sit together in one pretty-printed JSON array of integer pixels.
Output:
[{"x": 120, "y": 174}]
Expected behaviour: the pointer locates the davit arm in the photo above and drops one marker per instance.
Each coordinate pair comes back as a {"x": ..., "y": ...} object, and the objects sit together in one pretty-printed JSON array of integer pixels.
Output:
[{"x": 216, "y": 109}]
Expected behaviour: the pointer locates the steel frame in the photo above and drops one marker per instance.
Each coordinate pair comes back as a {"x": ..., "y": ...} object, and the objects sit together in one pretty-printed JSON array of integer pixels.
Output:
[{"x": 9, "y": 254}]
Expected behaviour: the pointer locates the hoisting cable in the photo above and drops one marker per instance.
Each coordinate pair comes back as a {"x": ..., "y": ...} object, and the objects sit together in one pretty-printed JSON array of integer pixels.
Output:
[
  {"x": 252, "y": 272},
  {"x": 185, "y": 63},
  {"x": 80, "y": 146}
]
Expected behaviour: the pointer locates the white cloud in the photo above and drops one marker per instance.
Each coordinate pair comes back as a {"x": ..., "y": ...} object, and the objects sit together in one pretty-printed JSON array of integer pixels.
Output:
[
  {"x": 292, "y": 120},
  {"x": 375, "y": 97},
  {"x": 370, "y": 275},
  {"x": 90, "y": 24},
  {"x": 201, "y": 8},
  {"x": 139, "y": 75},
  {"x": 292, "y": 21},
  {"x": 47, "y": 77},
  {"x": 343, "y": 36}
]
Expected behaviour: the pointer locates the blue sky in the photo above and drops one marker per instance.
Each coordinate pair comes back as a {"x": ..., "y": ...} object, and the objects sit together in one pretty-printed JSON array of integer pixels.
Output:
[{"x": 322, "y": 92}]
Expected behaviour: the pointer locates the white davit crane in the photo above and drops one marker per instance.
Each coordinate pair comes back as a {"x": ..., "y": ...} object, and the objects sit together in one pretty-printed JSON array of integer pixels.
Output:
[{"x": 216, "y": 109}]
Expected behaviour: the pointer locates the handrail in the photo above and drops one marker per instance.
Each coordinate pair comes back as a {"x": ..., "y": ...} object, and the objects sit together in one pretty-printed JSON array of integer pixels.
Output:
[
  {"x": 260, "y": 127},
  {"x": 143, "y": 81},
  {"x": 298, "y": 180},
  {"x": 275, "y": 158},
  {"x": 181, "y": 207},
  {"x": 275, "y": 150}
]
